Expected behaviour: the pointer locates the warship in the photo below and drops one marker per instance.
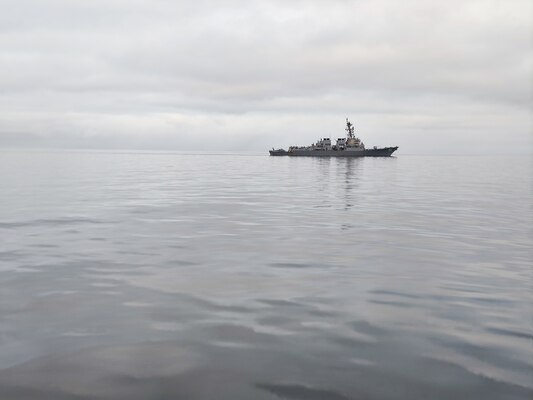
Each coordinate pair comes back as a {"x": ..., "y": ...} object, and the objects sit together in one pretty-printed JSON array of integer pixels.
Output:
[{"x": 350, "y": 146}]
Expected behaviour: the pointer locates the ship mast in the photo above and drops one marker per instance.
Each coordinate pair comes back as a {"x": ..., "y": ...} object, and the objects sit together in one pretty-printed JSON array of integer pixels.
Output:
[{"x": 349, "y": 129}]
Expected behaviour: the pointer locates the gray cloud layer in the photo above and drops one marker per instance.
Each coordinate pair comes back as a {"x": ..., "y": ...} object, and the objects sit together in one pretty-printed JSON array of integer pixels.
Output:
[{"x": 429, "y": 76}]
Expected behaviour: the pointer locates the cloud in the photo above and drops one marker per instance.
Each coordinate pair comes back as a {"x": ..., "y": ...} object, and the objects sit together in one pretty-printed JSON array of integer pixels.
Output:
[{"x": 159, "y": 73}]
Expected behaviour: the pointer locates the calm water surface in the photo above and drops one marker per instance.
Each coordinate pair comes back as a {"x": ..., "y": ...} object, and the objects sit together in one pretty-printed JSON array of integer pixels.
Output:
[{"x": 194, "y": 276}]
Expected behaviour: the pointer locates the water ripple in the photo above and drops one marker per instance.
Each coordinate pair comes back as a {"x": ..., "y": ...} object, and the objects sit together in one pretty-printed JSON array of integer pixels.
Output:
[{"x": 136, "y": 275}]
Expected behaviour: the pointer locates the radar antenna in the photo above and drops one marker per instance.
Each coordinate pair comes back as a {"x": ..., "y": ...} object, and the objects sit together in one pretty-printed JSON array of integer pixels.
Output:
[{"x": 350, "y": 129}]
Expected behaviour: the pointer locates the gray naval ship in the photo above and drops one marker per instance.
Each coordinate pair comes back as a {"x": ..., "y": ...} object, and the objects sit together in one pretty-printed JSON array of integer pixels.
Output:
[{"x": 350, "y": 146}]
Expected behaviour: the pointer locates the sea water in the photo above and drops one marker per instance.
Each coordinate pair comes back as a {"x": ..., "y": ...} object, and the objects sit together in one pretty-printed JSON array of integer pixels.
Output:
[{"x": 242, "y": 276}]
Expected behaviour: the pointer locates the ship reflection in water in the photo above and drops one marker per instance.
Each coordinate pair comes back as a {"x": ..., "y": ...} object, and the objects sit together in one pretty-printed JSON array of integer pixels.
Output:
[{"x": 159, "y": 276}]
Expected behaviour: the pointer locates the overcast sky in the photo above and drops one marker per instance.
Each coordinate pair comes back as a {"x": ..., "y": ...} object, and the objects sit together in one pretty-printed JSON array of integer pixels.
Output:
[{"x": 429, "y": 76}]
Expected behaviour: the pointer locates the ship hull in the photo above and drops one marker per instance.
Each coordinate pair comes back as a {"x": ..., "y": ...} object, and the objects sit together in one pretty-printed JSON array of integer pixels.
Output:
[
  {"x": 279, "y": 152},
  {"x": 381, "y": 152}
]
